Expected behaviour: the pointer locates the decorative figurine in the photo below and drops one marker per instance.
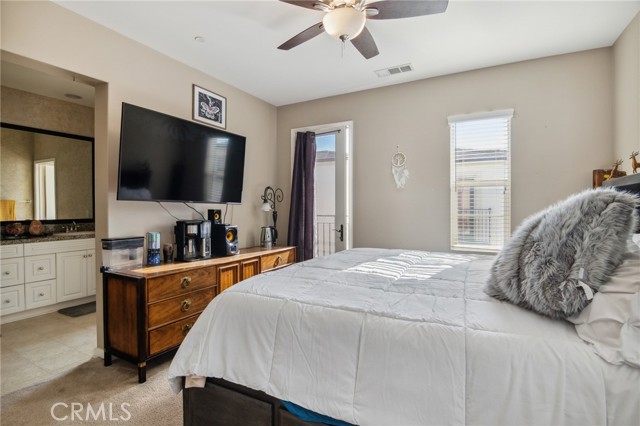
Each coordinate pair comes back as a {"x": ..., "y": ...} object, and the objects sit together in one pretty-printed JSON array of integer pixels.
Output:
[
  {"x": 36, "y": 228},
  {"x": 634, "y": 162},
  {"x": 615, "y": 172},
  {"x": 14, "y": 229}
]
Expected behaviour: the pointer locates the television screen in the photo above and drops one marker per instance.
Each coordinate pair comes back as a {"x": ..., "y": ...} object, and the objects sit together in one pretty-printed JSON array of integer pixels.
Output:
[{"x": 165, "y": 158}]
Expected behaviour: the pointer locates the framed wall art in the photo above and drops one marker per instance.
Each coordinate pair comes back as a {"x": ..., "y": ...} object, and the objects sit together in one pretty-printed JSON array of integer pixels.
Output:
[{"x": 209, "y": 108}]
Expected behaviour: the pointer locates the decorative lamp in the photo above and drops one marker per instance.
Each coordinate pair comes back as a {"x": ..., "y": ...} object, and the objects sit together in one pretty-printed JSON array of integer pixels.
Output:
[
  {"x": 344, "y": 23},
  {"x": 269, "y": 199}
]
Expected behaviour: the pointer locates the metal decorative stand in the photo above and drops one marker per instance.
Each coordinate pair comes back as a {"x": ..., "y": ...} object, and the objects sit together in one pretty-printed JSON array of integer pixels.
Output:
[{"x": 269, "y": 199}]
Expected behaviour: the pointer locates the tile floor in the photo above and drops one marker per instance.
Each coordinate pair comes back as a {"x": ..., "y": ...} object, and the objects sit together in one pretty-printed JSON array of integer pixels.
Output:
[{"x": 36, "y": 349}]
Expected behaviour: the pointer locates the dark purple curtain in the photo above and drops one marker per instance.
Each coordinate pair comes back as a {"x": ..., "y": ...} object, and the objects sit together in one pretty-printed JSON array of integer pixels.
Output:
[{"x": 302, "y": 196}]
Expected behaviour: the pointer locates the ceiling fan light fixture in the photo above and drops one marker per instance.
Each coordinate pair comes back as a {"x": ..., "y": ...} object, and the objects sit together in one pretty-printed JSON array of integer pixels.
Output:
[{"x": 344, "y": 23}]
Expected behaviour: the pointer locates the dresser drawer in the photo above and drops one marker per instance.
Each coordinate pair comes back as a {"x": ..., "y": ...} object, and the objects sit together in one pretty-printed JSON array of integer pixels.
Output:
[
  {"x": 180, "y": 307},
  {"x": 41, "y": 293},
  {"x": 171, "y": 335},
  {"x": 276, "y": 260},
  {"x": 11, "y": 272},
  {"x": 39, "y": 268},
  {"x": 11, "y": 299},
  {"x": 159, "y": 288}
]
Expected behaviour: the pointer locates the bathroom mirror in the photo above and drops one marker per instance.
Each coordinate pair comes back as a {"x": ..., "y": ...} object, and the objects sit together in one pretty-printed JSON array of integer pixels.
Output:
[{"x": 61, "y": 191}]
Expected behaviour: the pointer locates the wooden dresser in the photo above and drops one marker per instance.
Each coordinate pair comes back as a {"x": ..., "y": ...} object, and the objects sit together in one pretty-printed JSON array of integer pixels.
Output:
[{"x": 148, "y": 311}]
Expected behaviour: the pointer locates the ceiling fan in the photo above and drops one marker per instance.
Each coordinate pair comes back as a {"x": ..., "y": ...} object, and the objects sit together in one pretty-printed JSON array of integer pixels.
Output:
[{"x": 345, "y": 19}]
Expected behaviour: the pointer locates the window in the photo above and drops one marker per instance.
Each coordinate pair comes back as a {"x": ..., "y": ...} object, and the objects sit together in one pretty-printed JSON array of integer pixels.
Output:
[{"x": 480, "y": 180}]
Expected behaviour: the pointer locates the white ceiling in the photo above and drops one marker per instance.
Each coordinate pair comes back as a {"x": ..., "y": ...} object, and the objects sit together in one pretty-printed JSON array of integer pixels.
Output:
[{"x": 241, "y": 39}]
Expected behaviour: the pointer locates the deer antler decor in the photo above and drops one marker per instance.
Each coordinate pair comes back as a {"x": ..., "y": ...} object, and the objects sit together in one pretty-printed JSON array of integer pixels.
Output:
[{"x": 634, "y": 162}]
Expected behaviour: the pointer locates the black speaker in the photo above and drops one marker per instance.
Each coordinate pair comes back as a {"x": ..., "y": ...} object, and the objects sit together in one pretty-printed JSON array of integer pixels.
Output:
[
  {"x": 224, "y": 239},
  {"x": 215, "y": 216}
]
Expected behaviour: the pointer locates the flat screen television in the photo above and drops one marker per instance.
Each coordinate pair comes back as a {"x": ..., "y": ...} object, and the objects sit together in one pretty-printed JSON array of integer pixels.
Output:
[{"x": 165, "y": 158}]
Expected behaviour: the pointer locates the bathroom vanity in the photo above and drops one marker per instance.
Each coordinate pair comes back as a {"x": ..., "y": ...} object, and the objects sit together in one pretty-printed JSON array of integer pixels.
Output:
[{"x": 39, "y": 273}]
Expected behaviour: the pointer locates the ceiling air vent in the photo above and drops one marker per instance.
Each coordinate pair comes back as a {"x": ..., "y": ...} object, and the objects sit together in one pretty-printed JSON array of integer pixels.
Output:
[{"x": 398, "y": 69}]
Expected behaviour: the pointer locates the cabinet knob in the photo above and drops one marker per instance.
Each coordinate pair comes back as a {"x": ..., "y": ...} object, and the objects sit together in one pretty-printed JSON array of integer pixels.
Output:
[
  {"x": 40, "y": 268},
  {"x": 89, "y": 255},
  {"x": 186, "y": 328},
  {"x": 185, "y": 281},
  {"x": 7, "y": 301},
  {"x": 6, "y": 273},
  {"x": 185, "y": 305},
  {"x": 40, "y": 294}
]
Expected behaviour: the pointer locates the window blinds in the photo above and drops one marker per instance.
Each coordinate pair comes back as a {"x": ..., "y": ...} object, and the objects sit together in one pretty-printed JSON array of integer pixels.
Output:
[{"x": 480, "y": 180}]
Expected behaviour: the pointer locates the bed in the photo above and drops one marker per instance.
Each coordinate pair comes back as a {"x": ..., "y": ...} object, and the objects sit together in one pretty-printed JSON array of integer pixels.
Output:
[{"x": 400, "y": 337}]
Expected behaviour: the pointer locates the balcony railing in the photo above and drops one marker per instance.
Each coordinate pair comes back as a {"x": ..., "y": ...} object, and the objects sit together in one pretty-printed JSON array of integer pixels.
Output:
[
  {"x": 474, "y": 226},
  {"x": 325, "y": 234}
]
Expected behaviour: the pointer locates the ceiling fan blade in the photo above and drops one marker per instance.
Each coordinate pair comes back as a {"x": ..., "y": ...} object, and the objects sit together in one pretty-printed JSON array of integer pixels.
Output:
[
  {"x": 365, "y": 44},
  {"x": 308, "y": 4},
  {"x": 306, "y": 35},
  {"x": 394, "y": 9}
]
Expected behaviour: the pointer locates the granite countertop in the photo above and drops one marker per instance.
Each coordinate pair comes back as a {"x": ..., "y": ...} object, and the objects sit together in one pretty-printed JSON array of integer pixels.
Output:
[{"x": 26, "y": 239}]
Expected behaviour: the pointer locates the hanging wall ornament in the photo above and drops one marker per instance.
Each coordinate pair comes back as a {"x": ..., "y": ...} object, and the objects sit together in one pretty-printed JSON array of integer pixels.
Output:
[{"x": 399, "y": 168}]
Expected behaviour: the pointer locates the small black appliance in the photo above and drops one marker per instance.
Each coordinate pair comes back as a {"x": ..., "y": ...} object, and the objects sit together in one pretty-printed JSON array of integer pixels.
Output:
[{"x": 193, "y": 240}]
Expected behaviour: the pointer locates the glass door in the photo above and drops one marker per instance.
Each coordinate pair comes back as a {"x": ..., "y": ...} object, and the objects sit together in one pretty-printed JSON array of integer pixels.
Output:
[{"x": 332, "y": 188}]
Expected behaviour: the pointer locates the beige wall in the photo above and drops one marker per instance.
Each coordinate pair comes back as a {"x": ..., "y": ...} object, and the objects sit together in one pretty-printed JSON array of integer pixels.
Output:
[
  {"x": 130, "y": 72},
  {"x": 16, "y": 173},
  {"x": 74, "y": 183},
  {"x": 626, "y": 57},
  {"x": 562, "y": 129},
  {"x": 41, "y": 112}
]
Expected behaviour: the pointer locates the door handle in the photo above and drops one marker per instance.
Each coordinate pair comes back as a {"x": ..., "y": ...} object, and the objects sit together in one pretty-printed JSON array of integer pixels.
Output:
[{"x": 341, "y": 232}]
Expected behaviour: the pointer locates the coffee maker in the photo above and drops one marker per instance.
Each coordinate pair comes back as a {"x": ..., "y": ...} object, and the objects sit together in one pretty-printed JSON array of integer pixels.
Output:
[{"x": 193, "y": 240}]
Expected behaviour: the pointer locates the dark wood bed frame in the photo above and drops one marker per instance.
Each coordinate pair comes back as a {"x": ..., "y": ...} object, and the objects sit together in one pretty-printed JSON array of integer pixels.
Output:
[{"x": 222, "y": 403}]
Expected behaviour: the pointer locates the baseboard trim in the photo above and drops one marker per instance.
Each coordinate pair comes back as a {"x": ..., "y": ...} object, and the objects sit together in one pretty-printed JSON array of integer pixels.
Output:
[
  {"x": 98, "y": 352},
  {"x": 5, "y": 319}
]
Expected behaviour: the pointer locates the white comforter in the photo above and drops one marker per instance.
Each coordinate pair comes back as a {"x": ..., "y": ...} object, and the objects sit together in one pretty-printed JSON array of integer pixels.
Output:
[{"x": 392, "y": 337}]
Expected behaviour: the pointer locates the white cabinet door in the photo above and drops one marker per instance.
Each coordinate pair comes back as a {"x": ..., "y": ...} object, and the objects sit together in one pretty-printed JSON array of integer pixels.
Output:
[
  {"x": 11, "y": 272},
  {"x": 39, "y": 268},
  {"x": 41, "y": 293},
  {"x": 12, "y": 299},
  {"x": 71, "y": 275}
]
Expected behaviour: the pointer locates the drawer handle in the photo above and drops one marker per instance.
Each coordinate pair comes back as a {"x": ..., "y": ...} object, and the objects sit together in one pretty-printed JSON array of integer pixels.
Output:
[
  {"x": 185, "y": 305},
  {"x": 7, "y": 301},
  {"x": 40, "y": 294},
  {"x": 186, "y": 328},
  {"x": 277, "y": 261},
  {"x": 41, "y": 268},
  {"x": 185, "y": 281},
  {"x": 7, "y": 272}
]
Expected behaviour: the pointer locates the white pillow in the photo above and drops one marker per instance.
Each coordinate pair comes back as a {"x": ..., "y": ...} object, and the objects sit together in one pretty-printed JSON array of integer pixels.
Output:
[{"x": 611, "y": 322}]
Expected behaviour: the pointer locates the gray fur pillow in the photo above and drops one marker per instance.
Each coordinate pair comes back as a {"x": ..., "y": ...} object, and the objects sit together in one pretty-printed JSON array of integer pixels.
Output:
[{"x": 558, "y": 257}]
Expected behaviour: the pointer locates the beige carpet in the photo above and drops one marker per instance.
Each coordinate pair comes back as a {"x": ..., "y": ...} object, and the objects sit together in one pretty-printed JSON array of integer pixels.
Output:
[{"x": 112, "y": 394}]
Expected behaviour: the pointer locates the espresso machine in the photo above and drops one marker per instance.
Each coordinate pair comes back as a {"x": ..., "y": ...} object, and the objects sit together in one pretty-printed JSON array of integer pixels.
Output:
[{"x": 193, "y": 240}]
